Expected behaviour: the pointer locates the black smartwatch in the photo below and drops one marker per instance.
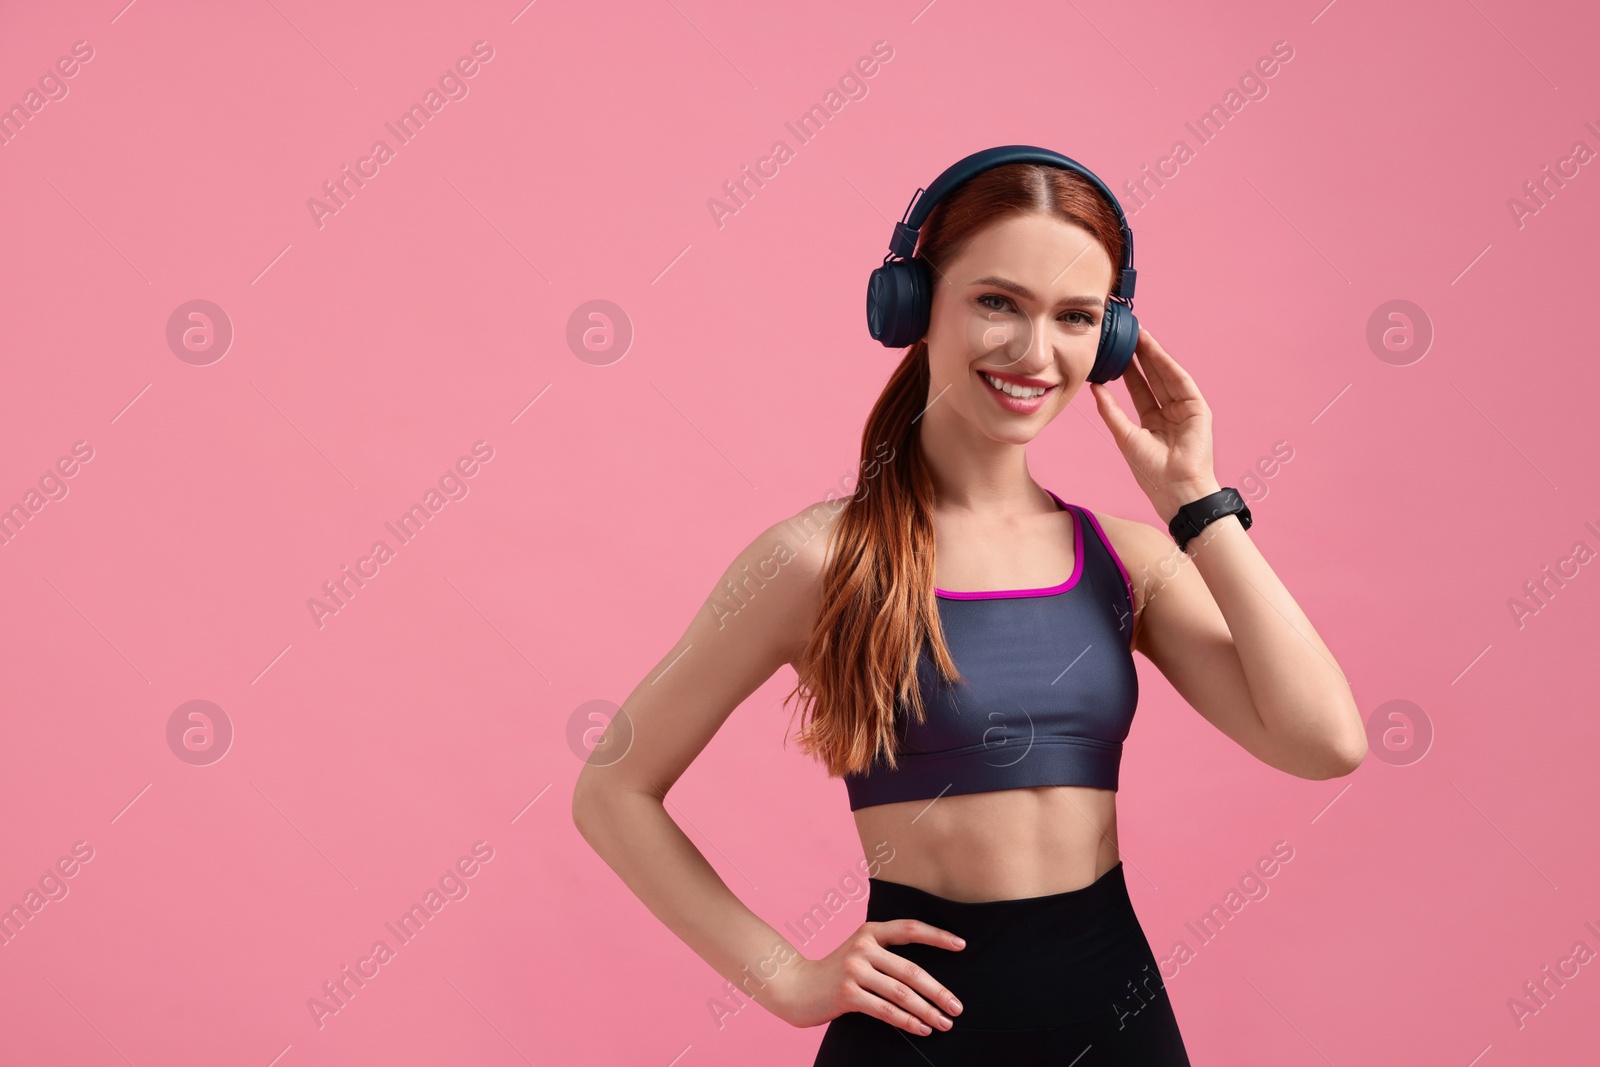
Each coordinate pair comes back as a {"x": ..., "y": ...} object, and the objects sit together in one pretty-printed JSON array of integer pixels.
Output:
[{"x": 1196, "y": 516}]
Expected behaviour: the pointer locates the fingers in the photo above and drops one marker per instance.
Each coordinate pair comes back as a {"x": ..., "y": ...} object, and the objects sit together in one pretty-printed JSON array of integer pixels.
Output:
[
  {"x": 895, "y": 989},
  {"x": 892, "y": 1000},
  {"x": 919, "y": 980},
  {"x": 1144, "y": 399},
  {"x": 1145, "y": 358},
  {"x": 907, "y": 931},
  {"x": 871, "y": 1004},
  {"x": 1117, "y": 419},
  {"x": 1170, "y": 380}
]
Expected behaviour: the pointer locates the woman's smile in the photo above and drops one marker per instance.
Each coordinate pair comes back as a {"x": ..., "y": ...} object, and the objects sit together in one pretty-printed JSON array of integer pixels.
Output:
[{"x": 1014, "y": 393}]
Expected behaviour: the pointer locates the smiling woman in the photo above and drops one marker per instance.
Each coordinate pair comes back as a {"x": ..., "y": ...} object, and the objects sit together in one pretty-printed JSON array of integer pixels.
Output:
[
  {"x": 963, "y": 643},
  {"x": 1001, "y": 319}
]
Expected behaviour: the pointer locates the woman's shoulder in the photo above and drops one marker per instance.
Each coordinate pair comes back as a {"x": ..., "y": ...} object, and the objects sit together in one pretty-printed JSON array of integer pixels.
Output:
[
  {"x": 804, "y": 539},
  {"x": 776, "y": 579},
  {"x": 1128, "y": 531}
]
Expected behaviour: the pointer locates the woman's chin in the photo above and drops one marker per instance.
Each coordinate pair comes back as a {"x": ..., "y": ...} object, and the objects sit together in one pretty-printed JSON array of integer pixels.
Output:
[{"x": 1014, "y": 429}]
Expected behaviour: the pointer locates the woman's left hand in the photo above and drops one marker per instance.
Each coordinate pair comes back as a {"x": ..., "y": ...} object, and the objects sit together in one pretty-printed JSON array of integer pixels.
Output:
[{"x": 1170, "y": 450}]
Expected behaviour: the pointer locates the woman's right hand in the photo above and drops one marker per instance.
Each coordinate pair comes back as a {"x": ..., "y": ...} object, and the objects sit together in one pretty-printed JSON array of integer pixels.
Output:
[{"x": 862, "y": 975}]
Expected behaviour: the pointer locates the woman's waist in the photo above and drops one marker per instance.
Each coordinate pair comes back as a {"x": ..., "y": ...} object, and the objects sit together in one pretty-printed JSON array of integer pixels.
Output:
[{"x": 1002, "y": 845}]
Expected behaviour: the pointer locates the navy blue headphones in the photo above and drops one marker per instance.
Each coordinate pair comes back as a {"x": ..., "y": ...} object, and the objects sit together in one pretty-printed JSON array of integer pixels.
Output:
[{"x": 900, "y": 292}]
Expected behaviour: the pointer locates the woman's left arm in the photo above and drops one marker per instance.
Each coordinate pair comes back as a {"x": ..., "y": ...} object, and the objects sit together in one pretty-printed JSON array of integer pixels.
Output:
[{"x": 1217, "y": 621}]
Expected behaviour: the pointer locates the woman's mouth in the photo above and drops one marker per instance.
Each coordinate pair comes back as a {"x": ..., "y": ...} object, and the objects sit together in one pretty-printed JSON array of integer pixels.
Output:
[{"x": 1019, "y": 399}]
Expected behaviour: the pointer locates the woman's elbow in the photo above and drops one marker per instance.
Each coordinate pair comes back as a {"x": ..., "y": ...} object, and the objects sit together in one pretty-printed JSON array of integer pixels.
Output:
[
  {"x": 596, "y": 797},
  {"x": 587, "y": 802},
  {"x": 1339, "y": 758}
]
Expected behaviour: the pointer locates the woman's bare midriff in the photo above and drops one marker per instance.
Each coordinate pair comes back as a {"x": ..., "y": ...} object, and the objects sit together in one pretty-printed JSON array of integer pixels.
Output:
[{"x": 1002, "y": 845}]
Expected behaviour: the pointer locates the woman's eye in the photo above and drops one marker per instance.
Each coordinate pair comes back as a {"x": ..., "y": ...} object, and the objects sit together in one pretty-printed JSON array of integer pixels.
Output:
[{"x": 1003, "y": 303}]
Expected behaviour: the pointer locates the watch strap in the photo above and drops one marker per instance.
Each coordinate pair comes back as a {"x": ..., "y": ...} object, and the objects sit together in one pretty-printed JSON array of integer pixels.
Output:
[{"x": 1197, "y": 515}]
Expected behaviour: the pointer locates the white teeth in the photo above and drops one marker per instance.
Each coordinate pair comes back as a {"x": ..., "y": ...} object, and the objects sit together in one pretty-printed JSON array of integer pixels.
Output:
[{"x": 1021, "y": 392}]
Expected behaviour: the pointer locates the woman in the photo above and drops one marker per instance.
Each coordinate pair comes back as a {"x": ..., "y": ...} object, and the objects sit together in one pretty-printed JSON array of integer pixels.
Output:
[{"x": 974, "y": 701}]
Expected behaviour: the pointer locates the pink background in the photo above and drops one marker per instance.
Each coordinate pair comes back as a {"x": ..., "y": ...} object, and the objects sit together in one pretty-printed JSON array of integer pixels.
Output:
[{"x": 433, "y": 711}]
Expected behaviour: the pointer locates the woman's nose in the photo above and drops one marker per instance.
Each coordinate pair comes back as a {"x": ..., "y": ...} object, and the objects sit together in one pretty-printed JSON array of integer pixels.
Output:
[
  {"x": 1015, "y": 344},
  {"x": 1028, "y": 351}
]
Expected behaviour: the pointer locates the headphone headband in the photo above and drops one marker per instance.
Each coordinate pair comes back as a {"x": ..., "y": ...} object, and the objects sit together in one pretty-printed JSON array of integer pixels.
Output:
[{"x": 904, "y": 241}]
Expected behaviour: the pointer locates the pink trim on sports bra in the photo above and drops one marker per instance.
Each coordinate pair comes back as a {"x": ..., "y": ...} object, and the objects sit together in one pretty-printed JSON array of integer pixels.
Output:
[
  {"x": 1107, "y": 542},
  {"x": 1049, "y": 590}
]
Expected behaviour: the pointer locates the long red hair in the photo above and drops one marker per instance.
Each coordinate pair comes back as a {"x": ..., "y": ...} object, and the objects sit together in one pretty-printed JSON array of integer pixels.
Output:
[{"x": 878, "y": 605}]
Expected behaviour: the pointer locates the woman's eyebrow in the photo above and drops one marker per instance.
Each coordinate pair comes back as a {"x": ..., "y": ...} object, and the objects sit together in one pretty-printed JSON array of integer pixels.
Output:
[{"x": 1027, "y": 294}]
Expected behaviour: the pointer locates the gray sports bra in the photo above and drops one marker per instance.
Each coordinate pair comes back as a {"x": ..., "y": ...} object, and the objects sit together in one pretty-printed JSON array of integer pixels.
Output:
[{"x": 1049, "y": 693}]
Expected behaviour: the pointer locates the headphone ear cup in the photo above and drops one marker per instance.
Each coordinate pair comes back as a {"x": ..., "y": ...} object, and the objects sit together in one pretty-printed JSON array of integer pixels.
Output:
[
  {"x": 1119, "y": 336},
  {"x": 898, "y": 303}
]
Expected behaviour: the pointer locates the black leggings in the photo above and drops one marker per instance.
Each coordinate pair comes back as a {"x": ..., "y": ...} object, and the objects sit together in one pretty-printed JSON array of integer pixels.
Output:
[{"x": 1066, "y": 979}]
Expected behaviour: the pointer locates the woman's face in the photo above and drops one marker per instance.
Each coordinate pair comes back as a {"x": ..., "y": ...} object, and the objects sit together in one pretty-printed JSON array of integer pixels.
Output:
[{"x": 1020, "y": 305}]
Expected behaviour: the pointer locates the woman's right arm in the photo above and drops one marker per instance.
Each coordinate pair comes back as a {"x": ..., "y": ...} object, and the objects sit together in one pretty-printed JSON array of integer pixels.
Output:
[{"x": 731, "y": 647}]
